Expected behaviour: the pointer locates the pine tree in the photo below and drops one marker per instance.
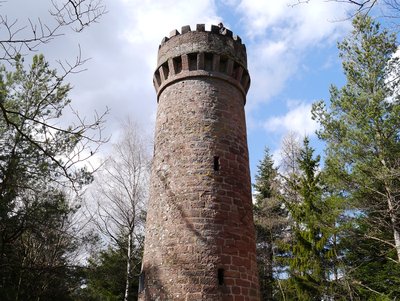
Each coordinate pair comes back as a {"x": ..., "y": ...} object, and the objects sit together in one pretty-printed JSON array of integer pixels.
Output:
[
  {"x": 270, "y": 221},
  {"x": 105, "y": 275},
  {"x": 312, "y": 229},
  {"x": 37, "y": 164},
  {"x": 362, "y": 128}
]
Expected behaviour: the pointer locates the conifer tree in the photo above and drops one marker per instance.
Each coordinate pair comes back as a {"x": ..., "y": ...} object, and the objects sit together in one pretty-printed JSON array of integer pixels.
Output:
[
  {"x": 38, "y": 161},
  {"x": 312, "y": 228},
  {"x": 361, "y": 127},
  {"x": 105, "y": 275},
  {"x": 270, "y": 221}
]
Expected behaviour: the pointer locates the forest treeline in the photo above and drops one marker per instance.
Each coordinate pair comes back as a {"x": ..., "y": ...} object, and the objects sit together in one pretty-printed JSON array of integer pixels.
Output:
[{"x": 326, "y": 230}]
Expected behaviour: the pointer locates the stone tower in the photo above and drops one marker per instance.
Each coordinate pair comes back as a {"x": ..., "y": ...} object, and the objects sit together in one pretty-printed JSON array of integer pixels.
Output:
[{"x": 200, "y": 242}]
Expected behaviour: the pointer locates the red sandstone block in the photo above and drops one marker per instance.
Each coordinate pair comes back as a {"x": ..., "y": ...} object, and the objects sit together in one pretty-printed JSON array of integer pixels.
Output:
[
  {"x": 243, "y": 283},
  {"x": 230, "y": 243},
  {"x": 230, "y": 251},
  {"x": 192, "y": 288},
  {"x": 226, "y": 259},
  {"x": 229, "y": 282},
  {"x": 238, "y": 261},
  {"x": 209, "y": 281},
  {"x": 193, "y": 297},
  {"x": 207, "y": 213},
  {"x": 225, "y": 207},
  {"x": 232, "y": 274}
]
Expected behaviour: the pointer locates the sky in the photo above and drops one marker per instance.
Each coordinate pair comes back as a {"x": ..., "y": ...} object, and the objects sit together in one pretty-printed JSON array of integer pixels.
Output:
[{"x": 292, "y": 59}]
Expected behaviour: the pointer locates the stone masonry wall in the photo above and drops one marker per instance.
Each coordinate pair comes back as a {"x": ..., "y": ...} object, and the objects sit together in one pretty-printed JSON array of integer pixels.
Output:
[{"x": 200, "y": 239}]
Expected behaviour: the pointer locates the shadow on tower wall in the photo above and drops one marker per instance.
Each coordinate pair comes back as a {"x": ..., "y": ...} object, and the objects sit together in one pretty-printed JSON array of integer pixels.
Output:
[{"x": 156, "y": 281}]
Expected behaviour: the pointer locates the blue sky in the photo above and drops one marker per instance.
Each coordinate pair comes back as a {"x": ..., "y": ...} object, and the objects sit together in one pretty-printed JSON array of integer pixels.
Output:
[{"x": 292, "y": 59}]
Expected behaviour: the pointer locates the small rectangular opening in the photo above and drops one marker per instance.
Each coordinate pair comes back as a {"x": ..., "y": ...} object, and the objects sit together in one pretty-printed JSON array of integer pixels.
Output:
[
  {"x": 216, "y": 163},
  {"x": 223, "y": 64},
  {"x": 236, "y": 68},
  {"x": 157, "y": 77},
  {"x": 220, "y": 276},
  {"x": 208, "y": 58},
  {"x": 177, "y": 64},
  {"x": 165, "y": 69},
  {"x": 244, "y": 80},
  {"x": 192, "y": 61}
]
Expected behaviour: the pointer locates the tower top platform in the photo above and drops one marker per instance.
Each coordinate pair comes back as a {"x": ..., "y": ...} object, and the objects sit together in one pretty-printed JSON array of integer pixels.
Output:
[
  {"x": 200, "y": 53},
  {"x": 219, "y": 40}
]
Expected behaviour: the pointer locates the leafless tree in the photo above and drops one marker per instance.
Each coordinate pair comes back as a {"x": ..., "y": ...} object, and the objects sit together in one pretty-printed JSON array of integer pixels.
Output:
[
  {"x": 19, "y": 37},
  {"x": 121, "y": 193},
  {"x": 389, "y": 9},
  {"x": 360, "y": 5},
  {"x": 289, "y": 171},
  {"x": 290, "y": 152}
]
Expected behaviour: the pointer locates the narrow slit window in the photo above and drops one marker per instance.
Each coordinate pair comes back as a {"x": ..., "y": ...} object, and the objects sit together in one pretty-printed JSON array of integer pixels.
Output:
[
  {"x": 216, "y": 163},
  {"x": 220, "y": 276}
]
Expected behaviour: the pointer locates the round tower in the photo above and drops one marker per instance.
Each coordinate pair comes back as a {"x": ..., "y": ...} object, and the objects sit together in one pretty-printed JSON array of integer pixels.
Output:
[{"x": 200, "y": 239}]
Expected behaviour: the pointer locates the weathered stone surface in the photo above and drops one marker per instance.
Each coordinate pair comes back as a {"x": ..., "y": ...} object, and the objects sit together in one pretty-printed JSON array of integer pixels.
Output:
[
  {"x": 200, "y": 239},
  {"x": 202, "y": 41}
]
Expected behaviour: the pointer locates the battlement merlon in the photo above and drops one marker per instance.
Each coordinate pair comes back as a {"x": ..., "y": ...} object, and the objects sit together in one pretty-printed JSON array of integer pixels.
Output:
[{"x": 221, "y": 39}]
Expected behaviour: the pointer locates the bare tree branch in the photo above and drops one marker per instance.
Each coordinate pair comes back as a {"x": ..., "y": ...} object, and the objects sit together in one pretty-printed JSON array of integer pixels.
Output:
[
  {"x": 19, "y": 37},
  {"x": 89, "y": 134}
]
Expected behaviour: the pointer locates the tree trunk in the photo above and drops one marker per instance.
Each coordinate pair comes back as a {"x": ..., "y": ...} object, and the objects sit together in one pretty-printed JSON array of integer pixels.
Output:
[
  {"x": 393, "y": 219},
  {"x": 270, "y": 274},
  {"x": 392, "y": 212},
  {"x": 397, "y": 242},
  {"x": 268, "y": 277},
  {"x": 128, "y": 266},
  {"x": 396, "y": 234}
]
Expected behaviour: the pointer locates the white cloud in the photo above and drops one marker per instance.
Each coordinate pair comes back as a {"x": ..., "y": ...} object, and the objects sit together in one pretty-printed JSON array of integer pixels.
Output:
[
  {"x": 297, "y": 119},
  {"x": 280, "y": 36},
  {"x": 258, "y": 16},
  {"x": 303, "y": 24},
  {"x": 123, "y": 50},
  {"x": 123, "y": 47},
  {"x": 155, "y": 19},
  {"x": 271, "y": 63}
]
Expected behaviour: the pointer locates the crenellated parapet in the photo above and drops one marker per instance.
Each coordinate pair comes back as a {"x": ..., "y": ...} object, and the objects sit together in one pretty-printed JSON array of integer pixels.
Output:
[{"x": 216, "y": 53}]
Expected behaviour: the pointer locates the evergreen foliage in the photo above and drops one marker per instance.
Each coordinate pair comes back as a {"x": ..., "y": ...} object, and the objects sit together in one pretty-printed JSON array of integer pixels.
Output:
[
  {"x": 362, "y": 130},
  {"x": 105, "y": 275},
  {"x": 270, "y": 221},
  {"x": 312, "y": 228},
  {"x": 37, "y": 242}
]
